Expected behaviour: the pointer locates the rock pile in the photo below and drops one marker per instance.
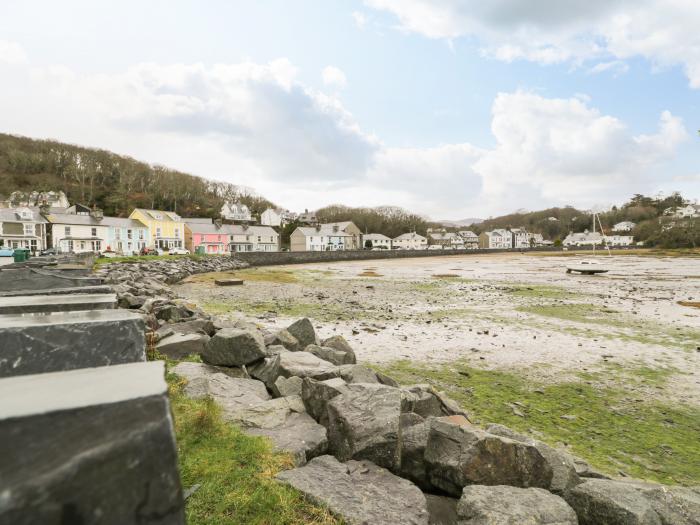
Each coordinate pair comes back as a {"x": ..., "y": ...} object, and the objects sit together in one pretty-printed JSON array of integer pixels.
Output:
[
  {"x": 374, "y": 452},
  {"x": 143, "y": 287}
]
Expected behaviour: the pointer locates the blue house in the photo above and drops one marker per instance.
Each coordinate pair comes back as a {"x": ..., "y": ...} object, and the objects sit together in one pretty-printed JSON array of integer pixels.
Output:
[{"x": 125, "y": 236}]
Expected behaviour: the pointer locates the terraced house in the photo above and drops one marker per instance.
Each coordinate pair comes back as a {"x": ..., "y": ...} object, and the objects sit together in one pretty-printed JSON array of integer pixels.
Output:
[
  {"x": 204, "y": 233},
  {"x": 244, "y": 238},
  {"x": 22, "y": 227},
  {"x": 125, "y": 236},
  {"x": 78, "y": 233},
  {"x": 166, "y": 228}
]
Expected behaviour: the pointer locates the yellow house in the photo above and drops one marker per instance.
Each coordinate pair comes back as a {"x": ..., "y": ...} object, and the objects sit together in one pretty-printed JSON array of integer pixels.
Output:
[{"x": 166, "y": 228}]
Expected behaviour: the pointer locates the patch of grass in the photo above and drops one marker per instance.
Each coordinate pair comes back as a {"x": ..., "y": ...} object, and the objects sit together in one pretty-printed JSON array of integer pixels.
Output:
[
  {"x": 608, "y": 427},
  {"x": 532, "y": 291},
  {"x": 292, "y": 308},
  {"x": 236, "y": 472},
  {"x": 268, "y": 275},
  {"x": 143, "y": 258}
]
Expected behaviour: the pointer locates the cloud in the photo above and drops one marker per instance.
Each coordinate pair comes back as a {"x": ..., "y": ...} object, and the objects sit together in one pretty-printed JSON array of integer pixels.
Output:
[
  {"x": 12, "y": 53},
  {"x": 360, "y": 19},
  {"x": 257, "y": 125},
  {"x": 334, "y": 77},
  {"x": 616, "y": 67},
  {"x": 552, "y": 31}
]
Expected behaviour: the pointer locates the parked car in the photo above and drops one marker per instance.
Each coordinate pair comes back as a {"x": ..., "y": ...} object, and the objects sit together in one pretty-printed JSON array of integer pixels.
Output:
[
  {"x": 435, "y": 247},
  {"x": 179, "y": 251},
  {"x": 151, "y": 251},
  {"x": 108, "y": 253},
  {"x": 49, "y": 251}
]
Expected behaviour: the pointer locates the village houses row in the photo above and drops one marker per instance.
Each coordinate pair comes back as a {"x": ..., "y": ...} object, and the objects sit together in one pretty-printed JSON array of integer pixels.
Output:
[{"x": 77, "y": 228}]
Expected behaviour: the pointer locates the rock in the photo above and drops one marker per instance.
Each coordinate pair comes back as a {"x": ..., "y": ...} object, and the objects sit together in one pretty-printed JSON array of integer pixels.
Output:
[
  {"x": 442, "y": 510},
  {"x": 233, "y": 394},
  {"x": 504, "y": 505},
  {"x": 338, "y": 342},
  {"x": 327, "y": 354},
  {"x": 163, "y": 332},
  {"x": 357, "y": 374},
  {"x": 364, "y": 423},
  {"x": 386, "y": 380},
  {"x": 303, "y": 331},
  {"x": 298, "y": 435},
  {"x": 287, "y": 386},
  {"x": 171, "y": 312},
  {"x": 414, "y": 439},
  {"x": 562, "y": 464},
  {"x": 608, "y": 502},
  {"x": 360, "y": 492},
  {"x": 584, "y": 470},
  {"x": 267, "y": 414},
  {"x": 233, "y": 347},
  {"x": 178, "y": 346},
  {"x": 428, "y": 402},
  {"x": 195, "y": 326},
  {"x": 285, "y": 339},
  {"x": 317, "y": 394},
  {"x": 267, "y": 370},
  {"x": 461, "y": 454},
  {"x": 304, "y": 364},
  {"x": 93, "y": 445},
  {"x": 130, "y": 301},
  {"x": 674, "y": 505}
]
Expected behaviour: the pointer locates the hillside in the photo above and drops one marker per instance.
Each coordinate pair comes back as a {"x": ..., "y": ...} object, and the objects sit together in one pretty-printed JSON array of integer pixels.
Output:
[
  {"x": 115, "y": 183},
  {"x": 391, "y": 221}
]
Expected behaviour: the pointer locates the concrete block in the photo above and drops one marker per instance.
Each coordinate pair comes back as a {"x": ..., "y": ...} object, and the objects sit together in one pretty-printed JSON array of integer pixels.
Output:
[
  {"x": 90, "y": 446},
  {"x": 41, "y": 278},
  {"x": 56, "y": 303},
  {"x": 38, "y": 343},
  {"x": 103, "y": 288}
]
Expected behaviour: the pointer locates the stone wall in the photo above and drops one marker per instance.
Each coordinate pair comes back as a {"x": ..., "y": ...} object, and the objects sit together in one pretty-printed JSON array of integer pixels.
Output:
[{"x": 275, "y": 258}]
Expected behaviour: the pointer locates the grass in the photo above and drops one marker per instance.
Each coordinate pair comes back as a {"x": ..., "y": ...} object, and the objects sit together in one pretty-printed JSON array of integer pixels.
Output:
[
  {"x": 533, "y": 291},
  {"x": 611, "y": 427},
  {"x": 143, "y": 258},
  {"x": 236, "y": 472},
  {"x": 648, "y": 252},
  {"x": 327, "y": 312}
]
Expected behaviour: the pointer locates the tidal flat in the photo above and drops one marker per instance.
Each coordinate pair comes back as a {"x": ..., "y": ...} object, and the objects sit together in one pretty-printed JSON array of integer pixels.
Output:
[{"x": 607, "y": 366}]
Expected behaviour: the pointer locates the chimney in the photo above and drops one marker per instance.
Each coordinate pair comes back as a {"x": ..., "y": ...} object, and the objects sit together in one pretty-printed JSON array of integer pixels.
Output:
[
  {"x": 318, "y": 227},
  {"x": 96, "y": 213},
  {"x": 335, "y": 228},
  {"x": 218, "y": 223},
  {"x": 245, "y": 227},
  {"x": 44, "y": 207}
]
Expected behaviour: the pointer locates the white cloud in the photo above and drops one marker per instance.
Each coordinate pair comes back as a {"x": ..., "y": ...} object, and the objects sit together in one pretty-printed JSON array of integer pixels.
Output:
[
  {"x": 616, "y": 67},
  {"x": 258, "y": 126},
  {"x": 360, "y": 19},
  {"x": 334, "y": 77},
  {"x": 12, "y": 53},
  {"x": 551, "y": 31}
]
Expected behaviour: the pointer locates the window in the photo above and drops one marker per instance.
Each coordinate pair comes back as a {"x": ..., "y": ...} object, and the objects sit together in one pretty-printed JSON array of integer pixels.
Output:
[
  {"x": 93, "y": 232},
  {"x": 118, "y": 233},
  {"x": 259, "y": 238},
  {"x": 141, "y": 234},
  {"x": 29, "y": 229},
  {"x": 157, "y": 232},
  {"x": 68, "y": 231},
  {"x": 177, "y": 232},
  {"x": 128, "y": 234}
]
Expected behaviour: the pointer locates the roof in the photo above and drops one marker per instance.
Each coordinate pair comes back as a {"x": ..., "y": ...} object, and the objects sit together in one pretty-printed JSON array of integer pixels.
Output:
[
  {"x": 210, "y": 227},
  {"x": 499, "y": 233},
  {"x": 199, "y": 220},
  {"x": 467, "y": 233},
  {"x": 12, "y": 215},
  {"x": 165, "y": 215},
  {"x": 239, "y": 229},
  {"x": 121, "y": 222},
  {"x": 409, "y": 236},
  {"x": 447, "y": 236},
  {"x": 78, "y": 220},
  {"x": 375, "y": 237}
]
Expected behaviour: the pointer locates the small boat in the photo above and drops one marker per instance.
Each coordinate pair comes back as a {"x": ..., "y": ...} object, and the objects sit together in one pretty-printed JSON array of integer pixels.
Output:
[{"x": 586, "y": 267}]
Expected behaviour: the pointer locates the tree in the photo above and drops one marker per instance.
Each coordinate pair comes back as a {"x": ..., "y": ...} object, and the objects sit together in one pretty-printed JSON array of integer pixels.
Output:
[{"x": 368, "y": 244}]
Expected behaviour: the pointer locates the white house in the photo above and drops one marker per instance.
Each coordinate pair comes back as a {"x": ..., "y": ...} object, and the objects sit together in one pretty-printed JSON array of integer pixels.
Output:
[
  {"x": 583, "y": 239},
  {"x": 22, "y": 227},
  {"x": 308, "y": 217},
  {"x": 689, "y": 211},
  {"x": 538, "y": 240},
  {"x": 624, "y": 226},
  {"x": 78, "y": 233},
  {"x": 521, "y": 238},
  {"x": 378, "y": 241},
  {"x": 496, "y": 239},
  {"x": 244, "y": 238},
  {"x": 619, "y": 240},
  {"x": 276, "y": 217},
  {"x": 320, "y": 239},
  {"x": 53, "y": 199},
  {"x": 235, "y": 211},
  {"x": 471, "y": 239},
  {"x": 410, "y": 241},
  {"x": 448, "y": 240}
]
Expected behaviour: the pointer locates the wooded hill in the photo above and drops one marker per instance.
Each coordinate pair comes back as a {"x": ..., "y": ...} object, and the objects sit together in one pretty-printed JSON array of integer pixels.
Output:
[{"x": 115, "y": 183}]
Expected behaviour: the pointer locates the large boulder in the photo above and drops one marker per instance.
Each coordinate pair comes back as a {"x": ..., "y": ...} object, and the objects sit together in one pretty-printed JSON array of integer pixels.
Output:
[
  {"x": 178, "y": 346},
  {"x": 283, "y": 338},
  {"x": 504, "y": 505},
  {"x": 674, "y": 505},
  {"x": 338, "y": 342},
  {"x": 459, "y": 454},
  {"x": 287, "y": 386},
  {"x": 428, "y": 402},
  {"x": 317, "y": 394},
  {"x": 608, "y": 502},
  {"x": 563, "y": 467},
  {"x": 364, "y": 423},
  {"x": 195, "y": 326},
  {"x": 232, "y": 394},
  {"x": 304, "y": 364},
  {"x": 327, "y": 354},
  {"x": 414, "y": 439},
  {"x": 303, "y": 331},
  {"x": 442, "y": 510},
  {"x": 360, "y": 492},
  {"x": 357, "y": 374},
  {"x": 234, "y": 347},
  {"x": 267, "y": 370},
  {"x": 298, "y": 435},
  {"x": 268, "y": 414}
]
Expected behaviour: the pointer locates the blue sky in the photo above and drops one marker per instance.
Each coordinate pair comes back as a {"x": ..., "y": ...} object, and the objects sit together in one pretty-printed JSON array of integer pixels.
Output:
[{"x": 448, "y": 108}]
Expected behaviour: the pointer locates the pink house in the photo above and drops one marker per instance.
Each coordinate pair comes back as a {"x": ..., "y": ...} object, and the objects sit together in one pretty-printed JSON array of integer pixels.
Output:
[{"x": 202, "y": 232}]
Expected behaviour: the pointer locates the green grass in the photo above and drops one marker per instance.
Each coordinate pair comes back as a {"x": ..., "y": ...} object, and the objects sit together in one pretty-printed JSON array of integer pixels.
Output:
[
  {"x": 533, "y": 291},
  {"x": 236, "y": 472},
  {"x": 612, "y": 427},
  {"x": 326, "y": 312},
  {"x": 143, "y": 258}
]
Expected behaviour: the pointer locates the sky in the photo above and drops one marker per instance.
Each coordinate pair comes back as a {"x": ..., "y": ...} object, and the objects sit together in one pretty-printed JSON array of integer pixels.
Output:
[{"x": 449, "y": 108}]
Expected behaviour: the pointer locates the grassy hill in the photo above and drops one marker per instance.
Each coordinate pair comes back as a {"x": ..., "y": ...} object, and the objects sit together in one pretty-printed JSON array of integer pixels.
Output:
[{"x": 115, "y": 183}]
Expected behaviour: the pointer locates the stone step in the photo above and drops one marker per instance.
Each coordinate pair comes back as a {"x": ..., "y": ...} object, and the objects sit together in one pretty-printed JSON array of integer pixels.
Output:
[
  {"x": 24, "y": 304},
  {"x": 39, "y": 343},
  {"x": 98, "y": 289},
  {"x": 94, "y": 445}
]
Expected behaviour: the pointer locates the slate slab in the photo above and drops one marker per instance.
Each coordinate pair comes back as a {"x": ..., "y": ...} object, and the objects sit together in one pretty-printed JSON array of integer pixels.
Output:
[{"x": 56, "y": 303}]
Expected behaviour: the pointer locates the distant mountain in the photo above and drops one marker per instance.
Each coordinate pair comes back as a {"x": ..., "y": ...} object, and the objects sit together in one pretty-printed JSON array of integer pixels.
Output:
[
  {"x": 461, "y": 223},
  {"x": 115, "y": 183}
]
